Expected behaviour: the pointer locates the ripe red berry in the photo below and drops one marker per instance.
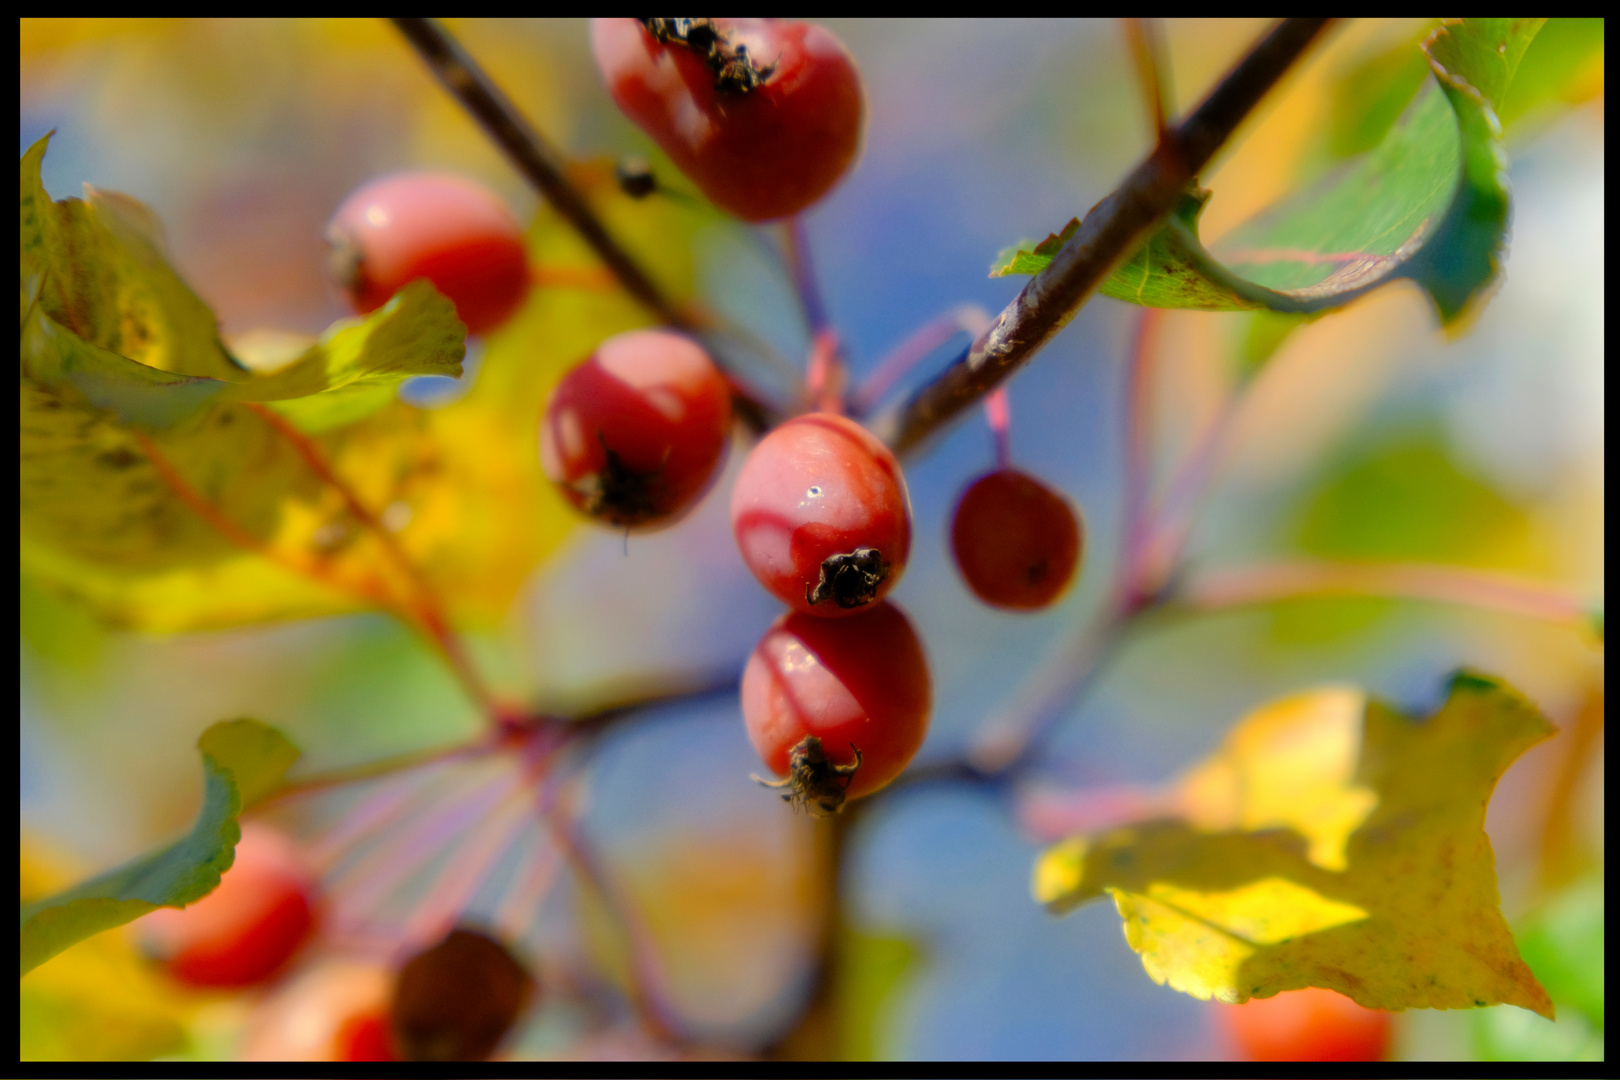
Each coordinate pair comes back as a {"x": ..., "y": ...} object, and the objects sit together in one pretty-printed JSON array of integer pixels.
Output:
[
  {"x": 822, "y": 516},
  {"x": 455, "y": 1000},
  {"x": 365, "y": 1037},
  {"x": 837, "y": 708},
  {"x": 633, "y": 435},
  {"x": 452, "y": 231},
  {"x": 247, "y": 929},
  {"x": 1307, "y": 1025},
  {"x": 1016, "y": 541},
  {"x": 764, "y": 116}
]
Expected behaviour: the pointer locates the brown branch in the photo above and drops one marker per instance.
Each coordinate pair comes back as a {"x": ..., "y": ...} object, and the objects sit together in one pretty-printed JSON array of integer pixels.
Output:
[
  {"x": 535, "y": 158},
  {"x": 543, "y": 167},
  {"x": 1107, "y": 236},
  {"x": 1147, "y": 52}
]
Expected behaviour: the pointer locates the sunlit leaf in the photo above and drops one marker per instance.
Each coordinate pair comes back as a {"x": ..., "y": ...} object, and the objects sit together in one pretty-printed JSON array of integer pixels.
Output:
[
  {"x": 168, "y": 502},
  {"x": 1429, "y": 203},
  {"x": 1329, "y": 842},
  {"x": 873, "y": 972},
  {"x": 252, "y": 759}
]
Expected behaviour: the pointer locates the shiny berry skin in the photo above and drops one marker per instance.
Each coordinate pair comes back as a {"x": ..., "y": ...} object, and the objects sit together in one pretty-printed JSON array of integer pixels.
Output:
[
  {"x": 456, "y": 1000},
  {"x": 822, "y": 516},
  {"x": 246, "y": 930},
  {"x": 1016, "y": 541},
  {"x": 758, "y": 151},
  {"x": 1307, "y": 1025},
  {"x": 452, "y": 231},
  {"x": 635, "y": 434},
  {"x": 860, "y": 686}
]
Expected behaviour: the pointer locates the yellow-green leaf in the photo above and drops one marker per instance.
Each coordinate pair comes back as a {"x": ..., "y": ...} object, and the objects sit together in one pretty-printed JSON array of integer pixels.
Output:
[
  {"x": 1329, "y": 842},
  {"x": 180, "y": 874}
]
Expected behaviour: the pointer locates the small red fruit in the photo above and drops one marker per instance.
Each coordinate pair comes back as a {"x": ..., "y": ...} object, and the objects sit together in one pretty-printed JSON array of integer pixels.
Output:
[
  {"x": 822, "y": 516},
  {"x": 365, "y": 1037},
  {"x": 764, "y": 116},
  {"x": 633, "y": 436},
  {"x": 1307, "y": 1025},
  {"x": 247, "y": 929},
  {"x": 452, "y": 231},
  {"x": 456, "y": 1000},
  {"x": 1016, "y": 541},
  {"x": 837, "y": 708}
]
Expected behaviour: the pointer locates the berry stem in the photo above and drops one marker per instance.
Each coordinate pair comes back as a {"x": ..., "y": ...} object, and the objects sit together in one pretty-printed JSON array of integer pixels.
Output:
[
  {"x": 998, "y": 414},
  {"x": 801, "y": 267},
  {"x": 969, "y": 318},
  {"x": 1147, "y": 51},
  {"x": 1131, "y": 589},
  {"x": 1107, "y": 236},
  {"x": 825, "y": 380}
]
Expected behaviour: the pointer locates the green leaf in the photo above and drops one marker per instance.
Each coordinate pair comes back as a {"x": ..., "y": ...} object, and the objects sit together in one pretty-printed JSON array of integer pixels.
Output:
[
  {"x": 1562, "y": 67},
  {"x": 874, "y": 970},
  {"x": 1429, "y": 203},
  {"x": 1330, "y": 841},
  {"x": 175, "y": 876}
]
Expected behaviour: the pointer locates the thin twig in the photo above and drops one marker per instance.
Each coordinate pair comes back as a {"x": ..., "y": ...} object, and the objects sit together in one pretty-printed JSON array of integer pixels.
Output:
[
  {"x": 1147, "y": 51},
  {"x": 426, "y": 612},
  {"x": 535, "y": 158},
  {"x": 1107, "y": 236},
  {"x": 802, "y": 269},
  {"x": 1138, "y": 528},
  {"x": 969, "y": 318},
  {"x": 1214, "y": 590}
]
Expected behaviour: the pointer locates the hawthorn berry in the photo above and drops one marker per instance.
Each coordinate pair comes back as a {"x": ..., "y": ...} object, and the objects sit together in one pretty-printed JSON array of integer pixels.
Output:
[
  {"x": 448, "y": 229},
  {"x": 1307, "y": 1025},
  {"x": 246, "y": 930},
  {"x": 1016, "y": 541},
  {"x": 764, "y": 116},
  {"x": 456, "y": 1000},
  {"x": 634, "y": 434},
  {"x": 365, "y": 1037},
  {"x": 838, "y": 709},
  {"x": 822, "y": 516}
]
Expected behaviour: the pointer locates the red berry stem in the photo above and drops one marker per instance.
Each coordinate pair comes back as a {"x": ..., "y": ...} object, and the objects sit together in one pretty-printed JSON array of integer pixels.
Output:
[
  {"x": 827, "y": 376},
  {"x": 796, "y": 249},
  {"x": 1138, "y": 530},
  {"x": 1107, "y": 236},
  {"x": 998, "y": 414},
  {"x": 969, "y": 318}
]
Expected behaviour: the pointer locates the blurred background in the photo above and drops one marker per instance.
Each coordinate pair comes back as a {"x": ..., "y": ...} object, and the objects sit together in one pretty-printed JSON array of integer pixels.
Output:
[{"x": 1372, "y": 435}]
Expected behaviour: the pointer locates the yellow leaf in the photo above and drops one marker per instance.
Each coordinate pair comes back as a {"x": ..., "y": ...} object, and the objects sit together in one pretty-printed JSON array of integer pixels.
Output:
[{"x": 1329, "y": 842}]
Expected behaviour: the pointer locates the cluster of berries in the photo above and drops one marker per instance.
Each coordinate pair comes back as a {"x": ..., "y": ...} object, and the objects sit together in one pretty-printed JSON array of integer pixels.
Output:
[
  {"x": 453, "y": 1000},
  {"x": 764, "y": 117}
]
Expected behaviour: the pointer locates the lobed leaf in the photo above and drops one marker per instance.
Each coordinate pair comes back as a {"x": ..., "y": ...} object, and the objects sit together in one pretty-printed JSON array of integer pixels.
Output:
[
  {"x": 1429, "y": 203},
  {"x": 251, "y": 759},
  {"x": 1329, "y": 842}
]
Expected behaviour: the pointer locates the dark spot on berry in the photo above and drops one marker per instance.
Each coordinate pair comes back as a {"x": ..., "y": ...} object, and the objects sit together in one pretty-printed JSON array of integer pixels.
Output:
[
  {"x": 850, "y": 580},
  {"x": 620, "y": 495}
]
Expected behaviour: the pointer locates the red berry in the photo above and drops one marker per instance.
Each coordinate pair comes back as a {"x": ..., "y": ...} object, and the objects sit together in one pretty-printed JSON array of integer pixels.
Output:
[
  {"x": 454, "y": 232},
  {"x": 365, "y": 1037},
  {"x": 764, "y": 116},
  {"x": 246, "y": 930},
  {"x": 821, "y": 515},
  {"x": 1016, "y": 541},
  {"x": 1307, "y": 1025},
  {"x": 634, "y": 435},
  {"x": 456, "y": 1000},
  {"x": 838, "y": 708}
]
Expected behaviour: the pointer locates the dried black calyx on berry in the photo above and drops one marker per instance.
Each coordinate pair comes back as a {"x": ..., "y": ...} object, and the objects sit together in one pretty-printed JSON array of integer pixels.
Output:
[
  {"x": 620, "y": 495},
  {"x": 735, "y": 72},
  {"x": 814, "y": 782},
  {"x": 635, "y": 177},
  {"x": 849, "y": 580}
]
